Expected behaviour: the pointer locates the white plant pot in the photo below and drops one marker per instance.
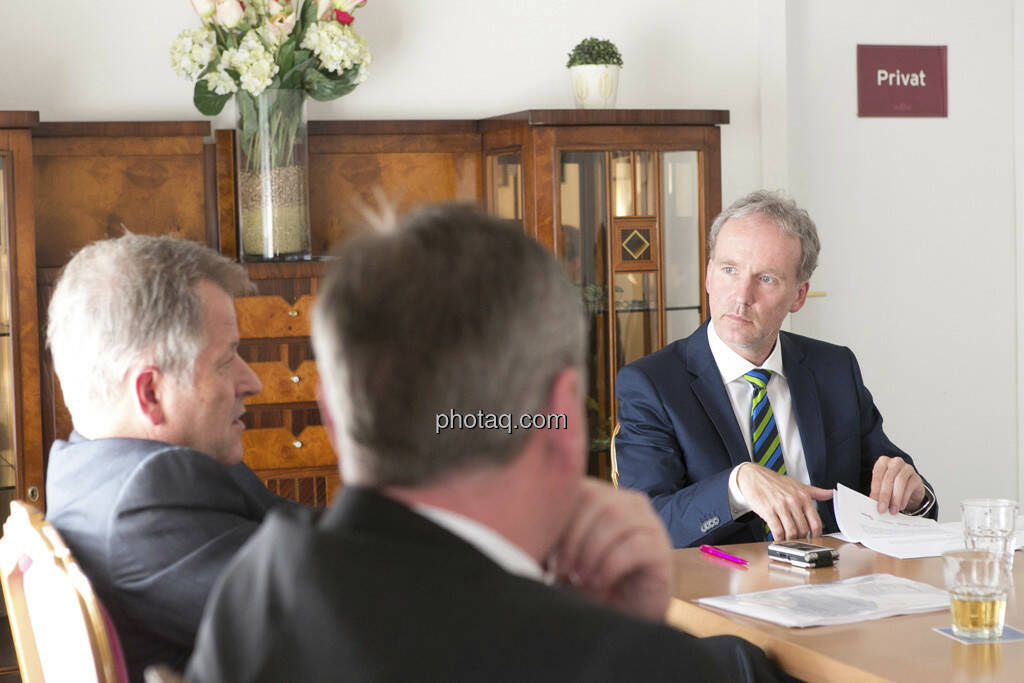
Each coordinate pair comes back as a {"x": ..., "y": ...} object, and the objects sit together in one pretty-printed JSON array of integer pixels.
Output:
[{"x": 595, "y": 85}]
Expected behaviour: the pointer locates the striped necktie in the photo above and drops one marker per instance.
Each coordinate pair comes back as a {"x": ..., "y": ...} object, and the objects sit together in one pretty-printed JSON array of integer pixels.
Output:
[{"x": 764, "y": 434}]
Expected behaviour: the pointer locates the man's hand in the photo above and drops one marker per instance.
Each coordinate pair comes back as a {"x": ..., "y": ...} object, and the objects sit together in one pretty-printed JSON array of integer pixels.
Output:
[
  {"x": 785, "y": 504},
  {"x": 615, "y": 549},
  {"x": 895, "y": 485}
]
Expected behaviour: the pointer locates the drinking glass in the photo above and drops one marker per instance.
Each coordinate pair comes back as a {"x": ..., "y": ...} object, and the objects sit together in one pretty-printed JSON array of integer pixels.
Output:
[
  {"x": 989, "y": 524},
  {"x": 977, "y": 581}
]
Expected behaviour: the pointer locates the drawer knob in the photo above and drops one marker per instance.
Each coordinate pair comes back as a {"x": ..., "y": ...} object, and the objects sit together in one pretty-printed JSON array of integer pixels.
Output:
[
  {"x": 295, "y": 379},
  {"x": 297, "y": 443},
  {"x": 33, "y": 493},
  {"x": 293, "y": 313}
]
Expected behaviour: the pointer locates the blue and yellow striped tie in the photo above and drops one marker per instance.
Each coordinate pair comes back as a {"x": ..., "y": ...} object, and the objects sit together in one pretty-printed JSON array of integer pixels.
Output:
[{"x": 764, "y": 434}]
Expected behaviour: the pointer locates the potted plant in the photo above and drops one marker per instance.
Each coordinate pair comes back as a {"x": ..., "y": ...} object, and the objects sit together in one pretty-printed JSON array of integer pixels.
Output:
[{"x": 594, "y": 66}]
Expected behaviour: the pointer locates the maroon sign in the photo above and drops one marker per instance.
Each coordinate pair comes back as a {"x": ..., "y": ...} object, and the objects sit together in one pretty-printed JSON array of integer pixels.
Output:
[{"x": 901, "y": 80}]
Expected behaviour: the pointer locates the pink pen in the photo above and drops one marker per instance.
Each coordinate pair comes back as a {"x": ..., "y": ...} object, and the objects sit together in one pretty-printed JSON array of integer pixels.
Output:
[{"x": 712, "y": 550}]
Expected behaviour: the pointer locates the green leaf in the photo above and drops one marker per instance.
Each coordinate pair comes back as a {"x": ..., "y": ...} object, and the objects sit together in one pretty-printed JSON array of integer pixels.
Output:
[
  {"x": 286, "y": 55},
  {"x": 293, "y": 77},
  {"x": 208, "y": 102},
  {"x": 326, "y": 87},
  {"x": 307, "y": 17}
]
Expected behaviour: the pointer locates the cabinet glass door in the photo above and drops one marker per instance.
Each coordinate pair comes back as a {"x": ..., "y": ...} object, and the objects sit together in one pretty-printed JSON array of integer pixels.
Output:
[
  {"x": 581, "y": 243},
  {"x": 504, "y": 185},
  {"x": 8, "y": 471},
  {"x": 682, "y": 243}
]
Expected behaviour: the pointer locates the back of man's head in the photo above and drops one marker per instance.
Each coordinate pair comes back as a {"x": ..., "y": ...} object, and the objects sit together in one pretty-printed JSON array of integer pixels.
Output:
[
  {"x": 452, "y": 313},
  {"x": 125, "y": 301}
]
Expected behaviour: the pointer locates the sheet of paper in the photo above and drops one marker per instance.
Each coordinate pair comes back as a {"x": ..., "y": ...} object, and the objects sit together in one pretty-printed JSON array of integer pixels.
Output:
[
  {"x": 861, "y": 598},
  {"x": 896, "y": 535}
]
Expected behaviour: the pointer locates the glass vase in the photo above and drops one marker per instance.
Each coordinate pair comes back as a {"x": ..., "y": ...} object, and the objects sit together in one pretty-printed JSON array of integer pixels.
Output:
[{"x": 272, "y": 168}]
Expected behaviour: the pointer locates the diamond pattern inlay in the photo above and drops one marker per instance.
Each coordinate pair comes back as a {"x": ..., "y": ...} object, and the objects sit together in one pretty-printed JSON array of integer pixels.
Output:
[{"x": 636, "y": 244}]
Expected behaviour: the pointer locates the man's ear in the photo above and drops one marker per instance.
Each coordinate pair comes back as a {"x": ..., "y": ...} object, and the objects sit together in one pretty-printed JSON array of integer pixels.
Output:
[
  {"x": 146, "y": 384},
  {"x": 801, "y": 297},
  {"x": 567, "y": 430},
  {"x": 325, "y": 415}
]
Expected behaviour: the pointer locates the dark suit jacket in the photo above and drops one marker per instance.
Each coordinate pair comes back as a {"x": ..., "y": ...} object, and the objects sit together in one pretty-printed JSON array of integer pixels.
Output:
[
  {"x": 679, "y": 439},
  {"x": 152, "y": 525},
  {"x": 372, "y": 591}
]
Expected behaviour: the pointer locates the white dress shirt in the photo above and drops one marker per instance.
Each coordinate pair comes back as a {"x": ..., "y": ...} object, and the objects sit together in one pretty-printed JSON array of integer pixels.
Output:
[
  {"x": 503, "y": 552},
  {"x": 732, "y": 367}
]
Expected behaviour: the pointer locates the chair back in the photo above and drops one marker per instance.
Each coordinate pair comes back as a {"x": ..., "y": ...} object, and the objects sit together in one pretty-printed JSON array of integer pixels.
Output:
[
  {"x": 61, "y": 630},
  {"x": 615, "y": 463}
]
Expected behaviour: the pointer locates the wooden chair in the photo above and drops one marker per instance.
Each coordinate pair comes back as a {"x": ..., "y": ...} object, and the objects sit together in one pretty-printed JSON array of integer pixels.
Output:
[
  {"x": 615, "y": 463},
  {"x": 61, "y": 630}
]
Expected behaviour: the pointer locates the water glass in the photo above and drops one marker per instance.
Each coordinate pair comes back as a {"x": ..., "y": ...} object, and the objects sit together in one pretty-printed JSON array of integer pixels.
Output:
[
  {"x": 989, "y": 524},
  {"x": 978, "y": 582}
]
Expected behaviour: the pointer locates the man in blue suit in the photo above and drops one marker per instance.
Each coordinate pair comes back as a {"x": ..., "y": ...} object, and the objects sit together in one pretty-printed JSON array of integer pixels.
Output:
[{"x": 741, "y": 432}]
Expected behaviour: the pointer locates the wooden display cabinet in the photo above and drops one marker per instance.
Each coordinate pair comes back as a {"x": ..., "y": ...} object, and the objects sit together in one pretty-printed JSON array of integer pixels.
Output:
[
  {"x": 624, "y": 198},
  {"x": 21, "y": 451}
]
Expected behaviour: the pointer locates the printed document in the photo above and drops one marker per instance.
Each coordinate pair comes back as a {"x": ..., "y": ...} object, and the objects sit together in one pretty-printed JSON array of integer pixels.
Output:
[
  {"x": 896, "y": 535},
  {"x": 861, "y": 598}
]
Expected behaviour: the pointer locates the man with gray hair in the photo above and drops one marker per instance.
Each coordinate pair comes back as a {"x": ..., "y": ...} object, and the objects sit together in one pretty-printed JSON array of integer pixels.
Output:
[
  {"x": 740, "y": 432},
  {"x": 149, "y": 490},
  {"x": 432, "y": 564}
]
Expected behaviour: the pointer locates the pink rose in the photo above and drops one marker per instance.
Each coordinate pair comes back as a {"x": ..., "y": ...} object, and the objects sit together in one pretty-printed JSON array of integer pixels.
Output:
[{"x": 343, "y": 18}]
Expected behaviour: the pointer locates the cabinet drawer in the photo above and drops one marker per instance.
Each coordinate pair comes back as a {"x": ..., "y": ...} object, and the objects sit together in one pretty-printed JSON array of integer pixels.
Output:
[
  {"x": 281, "y": 384},
  {"x": 266, "y": 317},
  {"x": 278, "y": 448}
]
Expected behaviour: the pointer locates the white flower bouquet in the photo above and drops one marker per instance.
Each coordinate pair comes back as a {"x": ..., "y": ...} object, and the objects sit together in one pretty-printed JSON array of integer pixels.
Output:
[{"x": 278, "y": 44}]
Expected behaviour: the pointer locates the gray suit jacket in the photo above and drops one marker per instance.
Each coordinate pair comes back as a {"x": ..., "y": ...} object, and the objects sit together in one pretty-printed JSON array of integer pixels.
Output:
[{"x": 152, "y": 525}]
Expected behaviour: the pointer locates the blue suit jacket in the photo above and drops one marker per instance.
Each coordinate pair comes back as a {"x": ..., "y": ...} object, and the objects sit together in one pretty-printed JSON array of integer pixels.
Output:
[{"x": 679, "y": 440}]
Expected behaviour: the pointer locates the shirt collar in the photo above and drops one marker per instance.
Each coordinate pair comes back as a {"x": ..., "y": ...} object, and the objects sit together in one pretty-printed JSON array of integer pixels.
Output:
[
  {"x": 503, "y": 552},
  {"x": 732, "y": 365}
]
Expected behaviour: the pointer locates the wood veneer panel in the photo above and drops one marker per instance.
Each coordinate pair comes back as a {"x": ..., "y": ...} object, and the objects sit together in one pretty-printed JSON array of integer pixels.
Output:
[
  {"x": 343, "y": 187},
  {"x": 93, "y": 188},
  {"x": 121, "y": 129},
  {"x": 226, "y": 211},
  {"x": 607, "y": 117},
  {"x": 19, "y": 119},
  {"x": 394, "y": 127},
  {"x": 25, "y": 319}
]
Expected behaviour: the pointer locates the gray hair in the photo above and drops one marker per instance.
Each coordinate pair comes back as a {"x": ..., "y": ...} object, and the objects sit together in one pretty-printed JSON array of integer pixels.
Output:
[
  {"x": 784, "y": 213},
  {"x": 131, "y": 300},
  {"x": 452, "y": 310}
]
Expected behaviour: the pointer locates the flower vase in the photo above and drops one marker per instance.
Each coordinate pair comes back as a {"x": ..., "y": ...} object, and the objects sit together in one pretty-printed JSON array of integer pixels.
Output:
[{"x": 272, "y": 172}]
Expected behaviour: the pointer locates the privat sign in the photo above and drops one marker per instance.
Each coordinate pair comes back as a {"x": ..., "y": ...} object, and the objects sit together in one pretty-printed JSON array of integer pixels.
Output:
[{"x": 901, "y": 80}]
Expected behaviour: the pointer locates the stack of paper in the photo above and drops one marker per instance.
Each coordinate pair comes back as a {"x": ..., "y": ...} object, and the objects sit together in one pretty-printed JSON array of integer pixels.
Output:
[{"x": 841, "y": 602}]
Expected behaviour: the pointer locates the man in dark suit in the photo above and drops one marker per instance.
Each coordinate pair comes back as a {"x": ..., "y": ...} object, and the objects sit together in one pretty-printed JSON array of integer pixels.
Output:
[
  {"x": 450, "y": 354},
  {"x": 149, "y": 490},
  {"x": 740, "y": 429}
]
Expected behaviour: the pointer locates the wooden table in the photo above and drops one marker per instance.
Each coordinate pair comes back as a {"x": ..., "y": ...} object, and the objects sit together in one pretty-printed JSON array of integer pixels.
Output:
[{"x": 901, "y": 648}]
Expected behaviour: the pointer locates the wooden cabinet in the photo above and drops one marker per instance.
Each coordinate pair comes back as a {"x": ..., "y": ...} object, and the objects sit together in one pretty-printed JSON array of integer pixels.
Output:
[
  {"x": 21, "y": 460},
  {"x": 624, "y": 198},
  {"x": 284, "y": 441}
]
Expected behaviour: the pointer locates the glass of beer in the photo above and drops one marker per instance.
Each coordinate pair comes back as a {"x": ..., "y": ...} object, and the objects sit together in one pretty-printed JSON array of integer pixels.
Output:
[{"x": 977, "y": 581}]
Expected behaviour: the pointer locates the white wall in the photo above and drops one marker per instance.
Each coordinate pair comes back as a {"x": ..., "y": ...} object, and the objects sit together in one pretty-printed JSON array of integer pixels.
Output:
[
  {"x": 917, "y": 222},
  {"x": 454, "y": 59},
  {"x": 917, "y": 216}
]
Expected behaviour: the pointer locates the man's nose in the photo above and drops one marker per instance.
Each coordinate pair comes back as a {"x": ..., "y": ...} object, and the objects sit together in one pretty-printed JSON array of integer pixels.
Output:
[
  {"x": 744, "y": 291},
  {"x": 250, "y": 383}
]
